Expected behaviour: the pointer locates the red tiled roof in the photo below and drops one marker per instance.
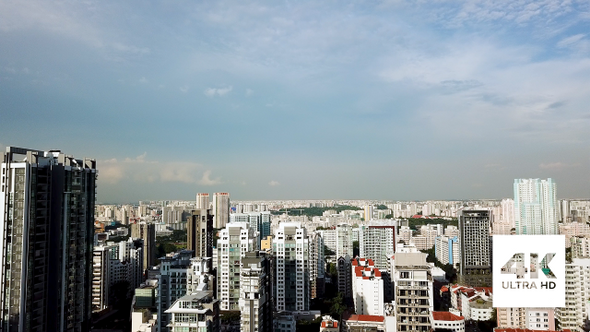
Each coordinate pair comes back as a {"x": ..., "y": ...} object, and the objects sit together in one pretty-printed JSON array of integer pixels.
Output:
[
  {"x": 367, "y": 318},
  {"x": 445, "y": 315},
  {"x": 444, "y": 289},
  {"x": 377, "y": 273}
]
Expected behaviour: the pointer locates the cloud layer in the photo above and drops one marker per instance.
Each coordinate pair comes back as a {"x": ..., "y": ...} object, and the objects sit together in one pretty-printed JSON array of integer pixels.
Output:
[{"x": 384, "y": 99}]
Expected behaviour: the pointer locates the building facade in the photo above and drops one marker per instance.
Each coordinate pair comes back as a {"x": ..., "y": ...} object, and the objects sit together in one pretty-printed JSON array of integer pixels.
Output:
[
  {"x": 256, "y": 293},
  {"x": 292, "y": 277},
  {"x": 476, "y": 247},
  {"x": 220, "y": 210},
  {"x": 535, "y": 207},
  {"x": 200, "y": 233},
  {"x": 47, "y": 202}
]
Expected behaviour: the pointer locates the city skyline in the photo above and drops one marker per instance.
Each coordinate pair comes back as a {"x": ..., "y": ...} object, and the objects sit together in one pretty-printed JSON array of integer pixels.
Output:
[{"x": 275, "y": 100}]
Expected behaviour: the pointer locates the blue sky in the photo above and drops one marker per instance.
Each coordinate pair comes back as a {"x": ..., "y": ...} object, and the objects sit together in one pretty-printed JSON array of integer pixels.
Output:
[{"x": 404, "y": 100}]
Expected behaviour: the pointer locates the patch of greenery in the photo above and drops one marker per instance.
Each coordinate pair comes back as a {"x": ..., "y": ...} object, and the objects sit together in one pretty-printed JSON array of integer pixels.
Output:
[
  {"x": 414, "y": 223},
  {"x": 314, "y": 211}
]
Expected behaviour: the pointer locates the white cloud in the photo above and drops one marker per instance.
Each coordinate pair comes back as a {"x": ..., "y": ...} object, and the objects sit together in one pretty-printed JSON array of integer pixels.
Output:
[
  {"x": 566, "y": 42},
  {"x": 212, "y": 92},
  {"x": 140, "y": 169},
  {"x": 557, "y": 166},
  {"x": 249, "y": 92},
  {"x": 207, "y": 181},
  {"x": 273, "y": 183},
  {"x": 184, "y": 88},
  {"x": 143, "y": 80}
]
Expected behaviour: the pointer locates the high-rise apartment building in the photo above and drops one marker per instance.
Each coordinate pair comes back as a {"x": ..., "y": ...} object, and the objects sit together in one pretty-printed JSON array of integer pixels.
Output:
[
  {"x": 535, "y": 207},
  {"x": 377, "y": 242},
  {"x": 367, "y": 288},
  {"x": 47, "y": 230},
  {"x": 476, "y": 247},
  {"x": 345, "y": 276},
  {"x": 446, "y": 250},
  {"x": 291, "y": 251},
  {"x": 200, "y": 233},
  {"x": 256, "y": 293},
  {"x": 235, "y": 240},
  {"x": 577, "y": 307},
  {"x": 202, "y": 201},
  {"x": 147, "y": 233},
  {"x": 220, "y": 210},
  {"x": 414, "y": 299},
  {"x": 316, "y": 265}
]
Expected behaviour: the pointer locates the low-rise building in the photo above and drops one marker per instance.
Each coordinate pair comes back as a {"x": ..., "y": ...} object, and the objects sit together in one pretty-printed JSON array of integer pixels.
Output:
[{"x": 446, "y": 321}]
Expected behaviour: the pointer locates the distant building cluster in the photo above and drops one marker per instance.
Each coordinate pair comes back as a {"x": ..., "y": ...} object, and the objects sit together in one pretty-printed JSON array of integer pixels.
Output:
[{"x": 354, "y": 266}]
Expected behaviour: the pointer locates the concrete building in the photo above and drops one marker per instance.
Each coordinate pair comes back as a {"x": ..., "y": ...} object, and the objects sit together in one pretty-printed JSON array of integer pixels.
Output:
[
  {"x": 220, "y": 210},
  {"x": 526, "y": 318},
  {"x": 364, "y": 323},
  {"x": 256, "y": 293},
  {"x": 202, "y": 201},
  {"x": 235, "y": 240},
  {"x": 447, "y": 250},
  {"x": 535, "y": 206},
  {"x": 580, "y": 246},
  {"x": 47, "y": 205},
  {"x": 317, "y": 265},
  {"x": 200, "y": 233},
  {"x": 476, "y": 247},
  {"x": 100, "y": 277},
  {"x": 172, "y": 284},
  {"x": 198, "y": 311},
  {"x": 377, "y": 242},
  {"x": 447, "y": 321},
  {"x": 577, "y": 306},
  {"x": 329, "y": 324},
  {"x": 147, "y": 233},
  {"x": 368, "y": 291},
  {"x": 284, "y": 322},
  {"x": 291, "y": 252},
  {"x": 345, "y": 277},
  {"x": 413, "y": 290}
]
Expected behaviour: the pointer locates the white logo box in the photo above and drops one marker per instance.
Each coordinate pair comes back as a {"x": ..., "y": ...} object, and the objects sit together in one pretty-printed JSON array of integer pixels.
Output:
[{"x": 524, "y": 290}]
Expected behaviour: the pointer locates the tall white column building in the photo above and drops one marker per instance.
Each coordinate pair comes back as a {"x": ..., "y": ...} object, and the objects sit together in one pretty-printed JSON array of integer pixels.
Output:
[
  {"x": 577, "y": 287},
  {"x": 202, "y": 201},
  {"x": 220, "y": 210},
  {"x": 368, "y": 289},
  {"x": 291, "y": 251},
  {"x": 535, "y": 206},
  {"x": 235, "y": 240}
]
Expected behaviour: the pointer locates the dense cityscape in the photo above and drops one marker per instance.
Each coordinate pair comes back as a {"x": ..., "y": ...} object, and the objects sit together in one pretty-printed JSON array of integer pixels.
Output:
[{"x": 212, "y": 264}]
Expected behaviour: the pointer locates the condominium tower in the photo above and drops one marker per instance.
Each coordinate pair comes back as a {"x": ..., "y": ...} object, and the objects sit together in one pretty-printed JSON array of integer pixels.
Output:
[
  {"x": 47, "y": 228},
  {"x": 200, "y": 233},
  {"x": 476, "y": 247},
  {"x": 220, "y": 210},
  {"x": 202, "y": 201},
  {"x": 291, "y": 251},
  {"x": 535, "y": 207}
]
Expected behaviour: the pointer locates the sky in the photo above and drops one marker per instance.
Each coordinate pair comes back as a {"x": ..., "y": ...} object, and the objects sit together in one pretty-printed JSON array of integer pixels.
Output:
[{"x": 392, "y": 100}]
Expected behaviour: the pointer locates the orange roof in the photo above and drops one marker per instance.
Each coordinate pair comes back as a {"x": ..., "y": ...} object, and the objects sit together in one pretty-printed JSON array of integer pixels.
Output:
[
  {"x": 444, "y": 289},
  {"x": 367, "y": 318},
  {"x": 377, "y": 273},
  {"x": 446, "y": 316}
]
